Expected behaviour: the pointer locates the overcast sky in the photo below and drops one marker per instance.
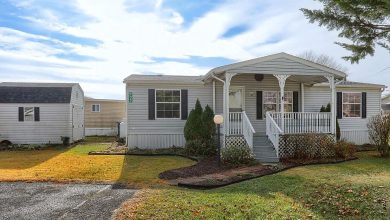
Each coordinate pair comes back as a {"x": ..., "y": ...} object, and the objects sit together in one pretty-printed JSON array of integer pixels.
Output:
[{"x": 99, "y": 43}]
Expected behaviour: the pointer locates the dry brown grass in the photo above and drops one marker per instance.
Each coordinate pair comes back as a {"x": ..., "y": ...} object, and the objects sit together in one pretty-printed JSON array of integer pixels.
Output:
[{"x": 74, "y": 164}]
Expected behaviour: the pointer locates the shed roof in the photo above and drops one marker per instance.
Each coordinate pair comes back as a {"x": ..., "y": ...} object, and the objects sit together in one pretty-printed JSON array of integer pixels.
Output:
[{"x": 35, "y": 92}]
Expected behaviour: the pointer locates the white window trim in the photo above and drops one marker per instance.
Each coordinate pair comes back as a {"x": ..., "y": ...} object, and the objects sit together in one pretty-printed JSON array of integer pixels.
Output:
[
  {"x": 24, "y": 114},
  {"x": 277, "y": 99},
  {"x": 155, "y": 104},
  {"x": 342, "y": 105},
  {"x": 95, "y": 108},
  {"x": 242, "y": 95}
]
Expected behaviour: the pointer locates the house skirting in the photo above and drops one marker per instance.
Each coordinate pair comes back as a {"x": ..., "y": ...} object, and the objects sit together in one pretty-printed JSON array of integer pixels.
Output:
[
  {"x": 313, "y": 145},
  {"x": 101, "y": 131}
]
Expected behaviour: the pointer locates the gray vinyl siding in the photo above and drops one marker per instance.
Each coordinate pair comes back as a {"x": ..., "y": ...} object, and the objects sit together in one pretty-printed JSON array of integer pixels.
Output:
[
  {"x": 352, "y": 129},
  {"x": 146, "y": 133},
  {"x": 167, "y": 132},
  {"x": 54, "y": 123},
  {"x": 269, "y": 83},
  {"x": 279, "y": 66}
]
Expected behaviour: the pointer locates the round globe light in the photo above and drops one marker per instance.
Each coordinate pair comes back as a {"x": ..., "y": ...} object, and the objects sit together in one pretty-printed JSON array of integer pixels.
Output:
[{"x": 218, "y": 119}]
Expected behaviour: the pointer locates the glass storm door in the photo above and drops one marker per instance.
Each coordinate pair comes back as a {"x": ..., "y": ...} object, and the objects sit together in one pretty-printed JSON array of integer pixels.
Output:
[{"x": 236, "y": 99}]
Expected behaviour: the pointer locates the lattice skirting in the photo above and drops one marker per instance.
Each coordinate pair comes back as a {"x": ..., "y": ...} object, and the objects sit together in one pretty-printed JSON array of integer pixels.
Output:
[
  {"x": 306, "y": 146},
  {"x": 236, "y": 140}
]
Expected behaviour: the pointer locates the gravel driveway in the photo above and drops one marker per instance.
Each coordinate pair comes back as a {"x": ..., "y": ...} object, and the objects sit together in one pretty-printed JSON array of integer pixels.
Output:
[{"x": 60, "y": 201}]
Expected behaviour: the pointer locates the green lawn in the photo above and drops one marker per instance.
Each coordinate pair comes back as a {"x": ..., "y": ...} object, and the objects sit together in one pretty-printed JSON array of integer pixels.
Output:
[{"x": 357, "y": 189}]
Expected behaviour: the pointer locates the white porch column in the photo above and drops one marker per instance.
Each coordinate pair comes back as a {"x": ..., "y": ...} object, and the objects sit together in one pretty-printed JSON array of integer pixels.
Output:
[
  {"x": 282, "y": 82},
  {"x": 214, "y": 95},
  {"x": 302, "y": 97},
  {"x": 332, "y": 86},
  {"x": 228, "y": 78}
]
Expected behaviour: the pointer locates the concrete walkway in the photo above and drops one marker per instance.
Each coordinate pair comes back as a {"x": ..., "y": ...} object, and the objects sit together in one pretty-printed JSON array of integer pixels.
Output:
[{"x": 21, "y": 200}]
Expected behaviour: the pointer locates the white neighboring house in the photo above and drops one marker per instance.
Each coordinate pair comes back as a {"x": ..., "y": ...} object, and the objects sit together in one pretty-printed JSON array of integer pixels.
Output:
[
  {"x": 386, "y": 104},
  {"x": 261, "y": 100},
  {"x": 41, "y": 113}
]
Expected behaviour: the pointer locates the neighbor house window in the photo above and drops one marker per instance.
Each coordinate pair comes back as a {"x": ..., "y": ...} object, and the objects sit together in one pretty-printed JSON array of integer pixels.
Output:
[
  {"x": 271, "y": 101},
  {"x": 95, "y": 107},
  {"x": 28, "y": 113},
  {"x": 352, "y": 104},
  {"x": 168, "y": 103}
]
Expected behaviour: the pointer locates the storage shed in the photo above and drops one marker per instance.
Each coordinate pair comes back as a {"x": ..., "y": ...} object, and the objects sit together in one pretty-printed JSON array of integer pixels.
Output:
[{"x": 41, "y": 113}]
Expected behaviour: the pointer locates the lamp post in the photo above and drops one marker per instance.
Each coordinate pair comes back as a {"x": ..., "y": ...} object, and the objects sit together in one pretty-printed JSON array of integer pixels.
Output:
[{"x": 218, "y": 120}]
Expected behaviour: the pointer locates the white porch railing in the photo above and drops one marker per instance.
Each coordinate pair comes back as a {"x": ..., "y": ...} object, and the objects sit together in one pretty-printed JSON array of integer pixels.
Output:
[
  {"x": 239, "y": 124},
  {"x": 303, "y": 122},
  {"x": 247, "y": 130},
  {"x": 273, "y": 131}
]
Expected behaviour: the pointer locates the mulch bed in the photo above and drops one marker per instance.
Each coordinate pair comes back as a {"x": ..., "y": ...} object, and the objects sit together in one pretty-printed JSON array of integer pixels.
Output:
[
  {"x": 207, "y": 175},
  {"x": 203, "y": 167}
]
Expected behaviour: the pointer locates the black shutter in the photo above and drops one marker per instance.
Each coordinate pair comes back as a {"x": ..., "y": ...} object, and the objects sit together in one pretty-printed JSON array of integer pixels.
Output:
[
  {"x": 364, "y": 105},
  {"x": 151, "y": 104},
  {"x": 184, "y": 104},
  {"x": 21, "y": 114},
  {"x": 259, "y": 104},
  {"x": 339, "y": 105},
  {"x": 36, "y": 114},
  {"x": 295, "y": 102}
]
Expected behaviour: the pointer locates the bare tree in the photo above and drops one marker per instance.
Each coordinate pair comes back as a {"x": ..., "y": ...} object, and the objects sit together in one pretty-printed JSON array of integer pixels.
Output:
[
  {"x": 323, "y": 59},
  {"x": 379, "y": 132}
]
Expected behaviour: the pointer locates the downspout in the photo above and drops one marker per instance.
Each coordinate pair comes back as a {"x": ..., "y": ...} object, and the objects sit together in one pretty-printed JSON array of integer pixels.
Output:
[{"x": 224, "y": 100}]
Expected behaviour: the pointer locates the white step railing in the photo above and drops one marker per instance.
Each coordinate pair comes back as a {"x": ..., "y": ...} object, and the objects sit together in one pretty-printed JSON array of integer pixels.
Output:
[
  {"x": 273, "y": 131},
  {"x": 239, "y": 124},
  {"x": 302, "y": 122},
  {"x": 247, "y": 130}
]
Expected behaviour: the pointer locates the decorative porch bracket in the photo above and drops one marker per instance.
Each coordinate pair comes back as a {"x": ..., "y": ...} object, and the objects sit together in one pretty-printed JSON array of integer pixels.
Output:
[
  {"x": 332, "y": 86},
  {"x": 228, "y": 78},
  {"x": 282, "y": 82}
]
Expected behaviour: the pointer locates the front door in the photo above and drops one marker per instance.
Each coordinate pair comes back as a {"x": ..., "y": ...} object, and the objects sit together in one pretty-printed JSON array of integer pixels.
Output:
[{"x": 236, "y": 99}]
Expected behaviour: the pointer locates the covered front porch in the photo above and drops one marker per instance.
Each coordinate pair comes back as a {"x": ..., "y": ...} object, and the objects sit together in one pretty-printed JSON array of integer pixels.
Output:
[{"x": 257, "y": 100}]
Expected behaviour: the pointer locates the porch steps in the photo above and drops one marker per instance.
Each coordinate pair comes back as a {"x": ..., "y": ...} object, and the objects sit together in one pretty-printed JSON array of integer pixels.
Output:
[{"x": 263, "y": 149}]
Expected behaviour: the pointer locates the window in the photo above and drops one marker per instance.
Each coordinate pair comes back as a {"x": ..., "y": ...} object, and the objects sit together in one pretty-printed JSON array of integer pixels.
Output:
[
  {"x": 28, "y": 113},
  {"x": 95, "y": 107},
  {"x": 352, "y": 104},
  {"x": 168, "y": 103},
  {"x": 288, "y": 101},
  {"x": 271, "y": 101}
]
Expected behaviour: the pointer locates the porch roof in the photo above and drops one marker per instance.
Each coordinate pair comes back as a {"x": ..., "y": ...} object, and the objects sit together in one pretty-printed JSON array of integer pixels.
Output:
[{"x": 301, "y": 70}]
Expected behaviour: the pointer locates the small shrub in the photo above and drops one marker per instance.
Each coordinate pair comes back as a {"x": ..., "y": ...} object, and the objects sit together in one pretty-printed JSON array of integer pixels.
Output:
[
  {"x": 121, "y": 140},
  {"x": 237, "y": 155},
  {"x": 379, "y": 133},
  {"x": 65, "y": 141},
  {"x": 208, "y": 123},
  {"x": 344, "y": 149},
  {"x": 193, "y": 128},
  {"x": 199, "y": 147}
]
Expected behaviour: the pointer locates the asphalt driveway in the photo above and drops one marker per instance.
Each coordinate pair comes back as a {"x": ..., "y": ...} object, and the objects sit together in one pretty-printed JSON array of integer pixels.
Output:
[{"x": 60, "y": 201}]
